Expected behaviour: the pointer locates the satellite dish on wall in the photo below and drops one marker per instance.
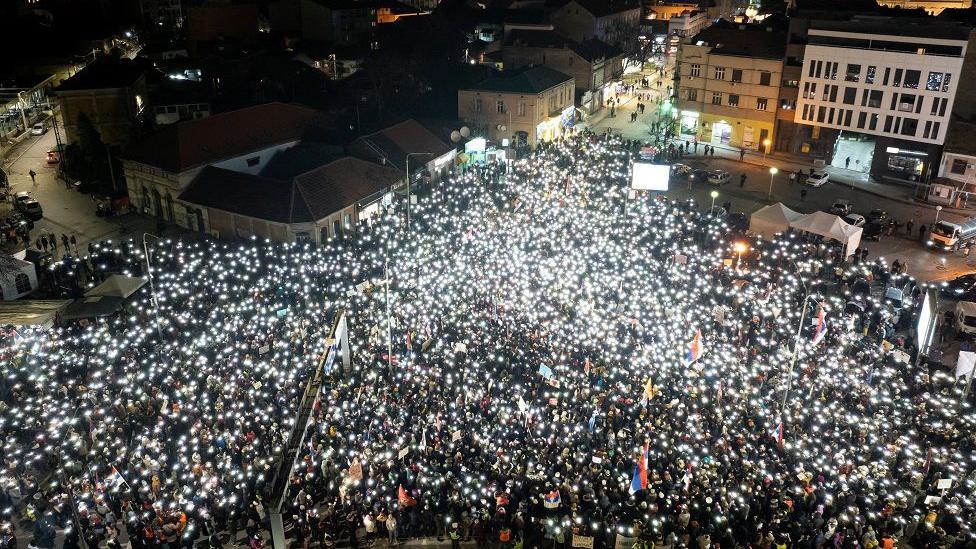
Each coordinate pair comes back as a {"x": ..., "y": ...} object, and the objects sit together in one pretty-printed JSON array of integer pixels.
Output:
[
  {"x": 455, "y": 136},
  {"x": 465, "y": 132}
]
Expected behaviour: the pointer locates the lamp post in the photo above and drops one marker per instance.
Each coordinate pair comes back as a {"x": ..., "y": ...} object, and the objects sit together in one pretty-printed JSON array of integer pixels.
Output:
[
  {"x": 772, "y": 174},
  {"x": 152, "y": 285},
  {"x": 796, "y": 345},
  {"x": 938, "y": 209},
  {"x": 408, "y": 182},
  {"x": 740, "y": 248},
  {"x": 714, "y": 196},
  {"x": 766, "y": 143}
]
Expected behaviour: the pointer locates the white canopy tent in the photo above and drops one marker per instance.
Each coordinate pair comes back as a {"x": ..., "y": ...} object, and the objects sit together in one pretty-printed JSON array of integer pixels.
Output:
[
  {"x": 117, "y": 286},
  {"x": 772, "y": 219},
  {"x": 832, "y": 227}
]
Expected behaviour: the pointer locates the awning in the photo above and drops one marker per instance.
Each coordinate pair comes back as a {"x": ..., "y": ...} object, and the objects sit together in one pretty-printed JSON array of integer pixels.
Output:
[
  {"x": 92, "y": 307},
  {"x": 33, "y": 312},
  {"x": 117, "y": 286},
  {"x": 772, "y": 219}
]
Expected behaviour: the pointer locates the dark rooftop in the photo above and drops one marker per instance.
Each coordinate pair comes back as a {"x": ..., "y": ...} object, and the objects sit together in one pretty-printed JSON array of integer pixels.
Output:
[
  {"x": 393, "y": 144},
  {"x": 592, "y": 49},
  {"x": 602, "y": 8},
  {"x": 106, "y": 72},
  {"x": 727, "y": 38},
  {"x": 527, "y": 80},
  {"x": 917, "y": 27},
  {"x": 308, "y": 197}
]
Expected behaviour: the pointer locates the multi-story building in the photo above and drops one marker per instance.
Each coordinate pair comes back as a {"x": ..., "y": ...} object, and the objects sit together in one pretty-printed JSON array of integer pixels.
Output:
[
  {"x": 880, "y": 91},
  {"x": 728, "y": 85},
  {"x": 932, "y": 7},
  {"x": 666, "y": 10},
  {"x": 958, "y": 163},
  {"x": 111, "y": 93},
  {"x": 615, "y": 22},
  {"x": 595, "y": 65},
  {"x": 525, "y": 106},
  {"x": 684, "y": 26}
]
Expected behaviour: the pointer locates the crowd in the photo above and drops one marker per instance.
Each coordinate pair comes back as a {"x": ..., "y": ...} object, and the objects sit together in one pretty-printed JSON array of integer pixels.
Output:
[{"x": 570, "y": 365}]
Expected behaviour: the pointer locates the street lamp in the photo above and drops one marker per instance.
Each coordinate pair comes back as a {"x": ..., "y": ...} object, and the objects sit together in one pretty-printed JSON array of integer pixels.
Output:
[
  {"x": 714, "y": 196},
  {"x": 152, "y": 285},
  {"x": 740, "y": 248},
  {"x": 937, "y": 210},
  {"x": 408, "y": 182},
  {"x": 766, "y": 143},
  {"x": 772, "y": 174}
]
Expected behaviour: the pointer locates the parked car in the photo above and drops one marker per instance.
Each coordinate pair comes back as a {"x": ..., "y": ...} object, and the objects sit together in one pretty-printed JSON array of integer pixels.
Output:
[
  {"x": 841, "y": 207},
  {"x": 680, "y": 170},
  {"x": 719, "y": 177},
  {"x": 818, "y": 179},
  {"x": 39, "y": 129},
  {"x": 878, "y": 215},
  {"x": 855, "y": 219},
  {"x": 27, "y": 205},
  {"x": 15, "y": 219},
  {"x": 872, "y": 231},
  {"x": 962, "y": 287},
  {"x": 54, "y": 155}
]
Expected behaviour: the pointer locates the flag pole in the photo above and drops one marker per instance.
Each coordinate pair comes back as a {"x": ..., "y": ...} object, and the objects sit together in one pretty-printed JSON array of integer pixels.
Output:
[{"x": 796, "y": 347}]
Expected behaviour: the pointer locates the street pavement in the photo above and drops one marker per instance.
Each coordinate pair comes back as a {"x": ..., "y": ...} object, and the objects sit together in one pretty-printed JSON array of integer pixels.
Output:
[
  {"x": 66, "y": 211},
  {"x": 758, "y": 191}
]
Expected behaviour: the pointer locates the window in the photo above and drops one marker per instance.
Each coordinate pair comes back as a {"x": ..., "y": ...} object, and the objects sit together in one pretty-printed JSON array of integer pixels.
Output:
[
  {"x": 945, "y": 82},
  {"x": 850, "y": 95},
  {"x": 887, "y": 124},
  {"x": 833, "y": 71},
  {"x": 787, "y": 104},
  {"x": 887, "y": 74},
  {"x": 253, "y": 161},
  {"x": 347, "y": 221},
  {"x": 847, "y": 118},
  {"x": 696, "y": 70},
  {"x": 935, "y": 105},
  {"x": 909, "y": 126},
  {"x": 764, "y": 78},
  {"x": 22, "y": 283},
  {"x": 830, "y": 116},
  {"x": 692, "y": 95},
  {"x": 521, "y": 108},
  {"x": 733, "y": 100},
  {"x": 935, "y": 131},
  {"x": 873, "y": 125},
  {"x": 897, "y": 81},
  {"x": 928, "y": 127},
  {"x": 894, "y": 102},
  {"x": 716, "y": 98},
  {"x": 874, "y": 100},
  {"x": 737, "y": 75},
  {"x": 869, "y": 76},
  {"x": 912, "y": 78},
  {"x": 821, "y": 114},
  {"x": 761, "y": 103},
  {"x": 862, "y": 117},
  {"x": 500, "y": 106},
  {"x": 719, "y": 73},
  {"x": 934, "y": 81},
  {"x": 853, "y": 73},
  {"x": 942, "y": 108},
  {"x": 806, "y": 112},
  {"x": 826, "y": 92},
  {"x": 906, "y": 102},
  {"x": 477, "y": 105},
  {"x": 833, "y": 94},
  {"x": 958, "y": 166},
  {"x": 813, "y": 65}
]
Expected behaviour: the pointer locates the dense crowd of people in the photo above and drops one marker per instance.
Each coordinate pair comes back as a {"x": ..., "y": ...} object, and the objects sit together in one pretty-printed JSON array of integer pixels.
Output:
[{"x": 570, "y": 365}]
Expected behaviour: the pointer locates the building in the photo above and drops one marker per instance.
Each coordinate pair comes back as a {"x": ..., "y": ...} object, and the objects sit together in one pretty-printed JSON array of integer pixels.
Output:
[
  {"x": 313, "y": 206},
  {"x": 958, "y": 163},
  {"x": 343, "y": 22},
  {"x": 430, "y": 155},
  {"x": 595, "y": 65},
  {"x": 877, "y": 93},
  {"x": 667, "y": 10},
  {"x": 728, "y": 85},
  {"x": 177, "y": 101},
  {"x": 932, "y": 7},
  {"x": 216, "y": 23},
  {"x": 615, "y": 22},
  {"x": 111, "y": 93},
  {"x": 524, "y": 107},
  {"x": 159, "y": 168},
  {"x": 685, "y": 26}
]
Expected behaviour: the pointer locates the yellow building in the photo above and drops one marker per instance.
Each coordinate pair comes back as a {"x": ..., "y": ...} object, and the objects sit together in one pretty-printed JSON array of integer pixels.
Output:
[{"x": 728, "y": 85}]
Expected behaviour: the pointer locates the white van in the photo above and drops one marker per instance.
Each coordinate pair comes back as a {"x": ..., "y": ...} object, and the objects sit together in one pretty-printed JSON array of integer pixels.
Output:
[{"x": 966, "y": 317}]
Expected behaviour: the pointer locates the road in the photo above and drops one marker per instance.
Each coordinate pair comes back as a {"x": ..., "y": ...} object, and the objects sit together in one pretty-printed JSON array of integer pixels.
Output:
[
  {"x": 757, "y": 191},
  {"x": 65, "y": 211}
]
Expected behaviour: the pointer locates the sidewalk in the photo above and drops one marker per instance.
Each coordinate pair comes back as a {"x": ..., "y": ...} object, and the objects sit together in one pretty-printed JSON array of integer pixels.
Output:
[{"x": 838, "y": 176}]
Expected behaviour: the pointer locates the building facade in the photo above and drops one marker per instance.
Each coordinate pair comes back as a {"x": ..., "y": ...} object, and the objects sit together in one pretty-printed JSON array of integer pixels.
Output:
[
  {"x": 613, "y": 22},
  {"x": 523, "y": 107},
  {"x": 728, "y": 85},
  {"x": 931, "y": 7},
  {"x": 882, "y": 91},
  {"x": 112, "y": 94}
]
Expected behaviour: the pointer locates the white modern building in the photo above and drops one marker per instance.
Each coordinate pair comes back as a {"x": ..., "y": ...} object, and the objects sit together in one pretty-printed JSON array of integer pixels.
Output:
[{"x": 886, "y": 87}]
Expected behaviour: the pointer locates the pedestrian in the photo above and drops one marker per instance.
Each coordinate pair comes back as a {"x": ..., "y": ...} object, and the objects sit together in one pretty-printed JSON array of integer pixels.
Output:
[
  {"x": 64, "y": 240},
  {"x": 742, "y": 181},
  {"x": 847, "y": 163},
  {"x": 909, "y": 225},
  {"x": 33, "y": 176},
  {"x": 793, "y": 177},
  {"x": 921, "y": 232},
  {"x": 711, "y": 151},
  {"x": 391, "y": 528},
  {"x": 74, "y": 243},
  {"x": 742, "y": 154}
]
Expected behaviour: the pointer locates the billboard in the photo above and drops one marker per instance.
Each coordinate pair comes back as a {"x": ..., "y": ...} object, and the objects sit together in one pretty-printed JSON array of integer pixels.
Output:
[{"x": 650, "y": 177}]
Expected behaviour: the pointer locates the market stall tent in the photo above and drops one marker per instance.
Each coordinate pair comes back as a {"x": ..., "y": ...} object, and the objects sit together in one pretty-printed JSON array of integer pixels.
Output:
[
  {"x": 772, "y": 219},
  {"x": 117, "y": 286},
  {"x": 832, "y": 227},
  {"x": 36, "y": 312}
]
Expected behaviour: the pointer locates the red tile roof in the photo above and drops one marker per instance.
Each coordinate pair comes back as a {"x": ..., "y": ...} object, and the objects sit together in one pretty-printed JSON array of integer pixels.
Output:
[{"x": 194, "y": 143}]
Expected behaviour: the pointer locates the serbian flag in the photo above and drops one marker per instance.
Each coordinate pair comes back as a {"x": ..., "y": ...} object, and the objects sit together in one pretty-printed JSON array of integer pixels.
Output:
[
  {"x": 404, "y": 498},
  {"x": 777, "y": 435},
  {"x": 552, "y": 500},
  {"x": 116, "y": 478},
  {"x": 821, "y": 330},
  {"x": 639, "y": 481},
  {"x": 695, "y": 349}
]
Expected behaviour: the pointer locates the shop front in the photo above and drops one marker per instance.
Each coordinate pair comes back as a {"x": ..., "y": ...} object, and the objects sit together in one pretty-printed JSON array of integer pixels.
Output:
[
  {"x": 900, "y": 161},
  {"x": 556, "y": 126},
  {"x": 688, "y": 125},
  {"x": 721, "y": 133}
]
